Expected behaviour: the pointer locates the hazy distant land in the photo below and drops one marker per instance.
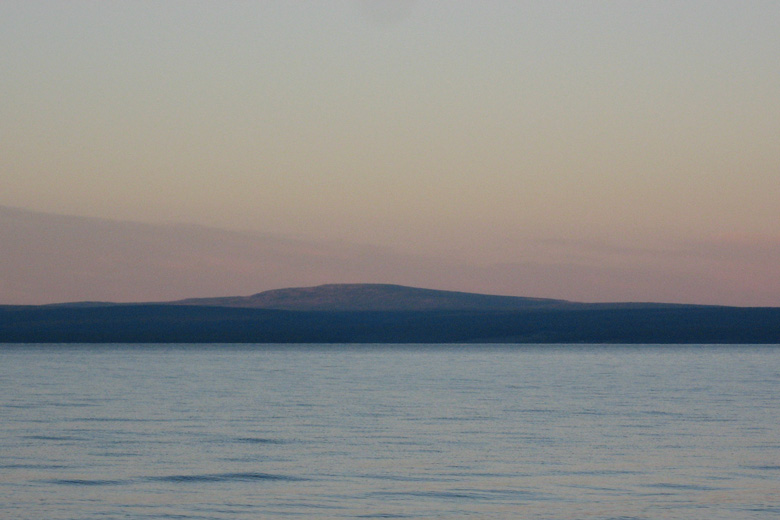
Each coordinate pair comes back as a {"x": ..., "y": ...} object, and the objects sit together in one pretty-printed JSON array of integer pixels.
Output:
[
  {"x": 53, "y": 258},
  {"x": 379, "y": 313}
]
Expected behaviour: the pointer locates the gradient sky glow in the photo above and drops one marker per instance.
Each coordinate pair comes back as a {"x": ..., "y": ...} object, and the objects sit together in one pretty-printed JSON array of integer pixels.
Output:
[{"x": 629, "y": 140}]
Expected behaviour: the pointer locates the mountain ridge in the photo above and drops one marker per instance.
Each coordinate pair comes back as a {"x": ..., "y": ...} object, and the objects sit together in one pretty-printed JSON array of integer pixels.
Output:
[
  {"x": 372, "y": 297},
  {"x": 384, "y": 313}
]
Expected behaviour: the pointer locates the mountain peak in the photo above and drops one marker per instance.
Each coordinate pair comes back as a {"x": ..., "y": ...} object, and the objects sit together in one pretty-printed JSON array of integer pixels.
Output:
[{"x": 372, "y": 297}]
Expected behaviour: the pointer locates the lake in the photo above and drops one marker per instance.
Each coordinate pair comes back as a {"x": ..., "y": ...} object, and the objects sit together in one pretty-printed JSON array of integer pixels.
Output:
[{"x": 381, "y": 431}]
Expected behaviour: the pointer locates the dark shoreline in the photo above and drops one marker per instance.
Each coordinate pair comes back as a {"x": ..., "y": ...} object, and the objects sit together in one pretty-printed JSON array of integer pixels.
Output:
[{"x": 165, "y": 323}]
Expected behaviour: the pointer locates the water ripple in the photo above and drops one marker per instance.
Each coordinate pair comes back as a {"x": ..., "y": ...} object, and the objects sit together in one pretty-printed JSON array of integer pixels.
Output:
[
  {"x": 224, "y": 477},
  {"x": 83, "y": 482},
  {"x": 259, "y": 440},
  {"x": 198, "y": 478}
]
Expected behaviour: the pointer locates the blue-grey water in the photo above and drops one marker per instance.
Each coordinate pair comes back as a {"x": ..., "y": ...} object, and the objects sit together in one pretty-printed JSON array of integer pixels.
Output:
[{"x": 364, "y": 431}]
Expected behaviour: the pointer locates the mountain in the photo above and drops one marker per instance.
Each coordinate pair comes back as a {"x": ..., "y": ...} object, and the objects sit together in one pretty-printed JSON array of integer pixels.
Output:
[
  {"x": 373, "y": 297},
  {"x": 51, "y": 258},
  {"x": 376, "y": 313}
]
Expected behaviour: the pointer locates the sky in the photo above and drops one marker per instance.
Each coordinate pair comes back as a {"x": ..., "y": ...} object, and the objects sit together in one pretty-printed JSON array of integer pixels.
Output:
[{"x": 598, "y": 151}]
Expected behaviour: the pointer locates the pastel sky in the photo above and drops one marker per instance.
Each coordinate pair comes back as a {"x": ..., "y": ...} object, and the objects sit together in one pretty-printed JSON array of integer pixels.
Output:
[{"x": 622, "y": 140}]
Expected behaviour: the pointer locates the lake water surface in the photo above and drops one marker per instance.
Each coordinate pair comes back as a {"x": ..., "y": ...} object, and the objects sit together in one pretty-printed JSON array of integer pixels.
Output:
[{"x": 366, "y": 431}]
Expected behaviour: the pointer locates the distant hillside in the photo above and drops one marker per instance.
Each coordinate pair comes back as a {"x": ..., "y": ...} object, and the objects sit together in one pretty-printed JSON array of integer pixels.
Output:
[
  {"x": 373, "y": 297},
  {"x": 375, "y": 313}
]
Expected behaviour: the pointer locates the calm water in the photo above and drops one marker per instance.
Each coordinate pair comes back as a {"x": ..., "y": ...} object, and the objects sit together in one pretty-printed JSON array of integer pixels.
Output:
[{"x": 553, "y": 432}]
